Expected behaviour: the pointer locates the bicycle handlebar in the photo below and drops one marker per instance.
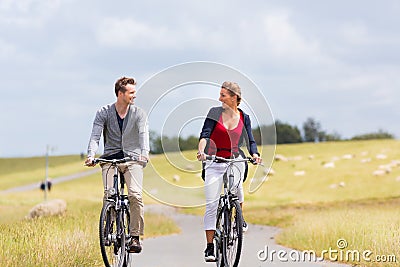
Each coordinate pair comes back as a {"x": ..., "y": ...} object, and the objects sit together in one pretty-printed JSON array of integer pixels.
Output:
[
  {"x": 221, "y": 159},
  {"x": 117, "y": 161}
]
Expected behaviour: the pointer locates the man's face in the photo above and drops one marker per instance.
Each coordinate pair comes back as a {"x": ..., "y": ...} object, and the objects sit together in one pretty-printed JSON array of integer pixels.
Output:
[{"x": 129, "y": 95}]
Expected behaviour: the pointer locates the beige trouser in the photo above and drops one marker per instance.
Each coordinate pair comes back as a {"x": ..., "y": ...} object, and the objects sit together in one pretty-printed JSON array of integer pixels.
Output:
[{"x": 133, "y": 174}]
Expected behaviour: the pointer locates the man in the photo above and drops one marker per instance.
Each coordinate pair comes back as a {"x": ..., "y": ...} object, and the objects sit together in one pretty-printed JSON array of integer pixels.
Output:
[{"x": 125, "y": 133}]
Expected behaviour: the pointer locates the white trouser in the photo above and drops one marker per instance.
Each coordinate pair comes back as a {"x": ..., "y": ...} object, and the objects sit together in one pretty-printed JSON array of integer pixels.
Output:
[{"x": 213, "y": 185}]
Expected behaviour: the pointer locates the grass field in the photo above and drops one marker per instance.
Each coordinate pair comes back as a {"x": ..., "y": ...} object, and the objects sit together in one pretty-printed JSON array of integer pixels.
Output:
[{"x": 314, "y": 209}]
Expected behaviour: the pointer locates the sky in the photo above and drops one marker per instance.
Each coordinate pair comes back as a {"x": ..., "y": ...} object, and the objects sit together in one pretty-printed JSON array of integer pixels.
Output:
[{"x": 335, "y": 61}]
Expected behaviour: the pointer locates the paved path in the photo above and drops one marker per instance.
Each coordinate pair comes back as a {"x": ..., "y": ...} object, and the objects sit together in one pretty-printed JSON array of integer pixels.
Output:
[
  {"x": 53, "y": 181},
  {"x": 186, "y": 249}
]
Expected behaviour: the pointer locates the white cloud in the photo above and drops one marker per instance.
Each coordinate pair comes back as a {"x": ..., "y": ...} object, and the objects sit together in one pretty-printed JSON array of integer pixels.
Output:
[
  {"x": 134, "y": 34},
  {"x": 355, "y": 33},
  {"x": 117, "y": 32},
  {"x": 27, "y": 13},
  {"x": 6, "y": 49}
]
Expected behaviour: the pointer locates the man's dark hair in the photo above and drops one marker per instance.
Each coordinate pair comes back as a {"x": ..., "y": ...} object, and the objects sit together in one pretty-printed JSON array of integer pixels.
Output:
[{"x": 121, "y": 82}]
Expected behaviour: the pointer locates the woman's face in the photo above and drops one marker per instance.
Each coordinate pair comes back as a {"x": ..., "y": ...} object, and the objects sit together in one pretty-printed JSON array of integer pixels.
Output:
[{"x": 226, "y": 99}]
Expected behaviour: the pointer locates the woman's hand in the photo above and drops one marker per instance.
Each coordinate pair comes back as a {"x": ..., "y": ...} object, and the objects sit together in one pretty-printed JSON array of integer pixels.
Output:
[
  {"x": 257, "y": 159},
  {"x": 201, "y": 156}
]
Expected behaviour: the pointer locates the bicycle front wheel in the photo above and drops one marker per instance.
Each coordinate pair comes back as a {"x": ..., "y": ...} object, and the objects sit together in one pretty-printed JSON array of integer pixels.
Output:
[
  {"x": 233, "y": 234},
  {"x": 111, "y": 244},
  {"x": 218, "y": 238}
]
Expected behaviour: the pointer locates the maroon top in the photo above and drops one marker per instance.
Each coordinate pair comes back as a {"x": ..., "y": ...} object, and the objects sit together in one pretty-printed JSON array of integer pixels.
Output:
[{"x": 224, "y": 142}]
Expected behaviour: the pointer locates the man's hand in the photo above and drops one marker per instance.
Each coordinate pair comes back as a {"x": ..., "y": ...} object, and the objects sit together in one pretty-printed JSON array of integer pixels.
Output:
[
  {"x": 143, "y": 158},
  {"x": 89, "y": 162}
]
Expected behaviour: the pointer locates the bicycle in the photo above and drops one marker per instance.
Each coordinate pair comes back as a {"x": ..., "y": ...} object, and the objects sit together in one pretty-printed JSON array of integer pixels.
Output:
[
  {"x": 114, "y": 231},
  {"x": 228, "y": 235}
]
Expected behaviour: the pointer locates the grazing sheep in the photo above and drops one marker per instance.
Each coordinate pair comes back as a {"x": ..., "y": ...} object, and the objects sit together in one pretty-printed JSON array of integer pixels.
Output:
[
  {"x": 395, "y": 163},
  {"x": 381, "y": 156},
  {"x": 398, "y": 179},
  {"x": 379, "y": 173},
  {"x": 153, "y": 191},
  {"x": 190, "y": 167},
  {"x": 48, "y": 208},
  {"x": 348, "y": 156},
  {"x": 386, "y": 168},
  {"x": 279, "y": 157},
  {"x": 329, "y": 165},
  {"x": 299, "y": 173},
  {"x": 333, "y": 186},
  {"x": 176, "y": 178},
  {"x": 311, "y": 157},
  {"x": 365, "y": 160},
  {"x": 269, "y": 171}
]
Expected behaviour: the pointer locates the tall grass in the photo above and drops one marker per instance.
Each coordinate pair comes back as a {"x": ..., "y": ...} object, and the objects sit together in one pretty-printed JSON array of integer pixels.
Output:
[{"x": 374, "y": 228}]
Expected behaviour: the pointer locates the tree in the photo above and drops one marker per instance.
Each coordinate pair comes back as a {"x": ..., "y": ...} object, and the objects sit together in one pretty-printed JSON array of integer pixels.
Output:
[
  {"x": 377, "y": 135},
  {"x": 287, "y": 134},
  {"x": 311, "y": 129},
  {"x": 264, "y": 135}
]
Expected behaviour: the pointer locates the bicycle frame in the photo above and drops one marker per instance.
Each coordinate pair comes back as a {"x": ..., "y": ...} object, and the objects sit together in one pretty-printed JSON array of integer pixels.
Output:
[
  {"x": 115, "y": 200},
  {"x": 228, "y": 234}
]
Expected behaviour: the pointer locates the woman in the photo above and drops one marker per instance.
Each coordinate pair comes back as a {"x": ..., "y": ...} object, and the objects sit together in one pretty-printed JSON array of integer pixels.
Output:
[{"x": 223, "y": 132}]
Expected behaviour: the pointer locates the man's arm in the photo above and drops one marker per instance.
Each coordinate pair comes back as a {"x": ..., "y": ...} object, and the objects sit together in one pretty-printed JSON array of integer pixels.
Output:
[{"x": 97, "y": 130}]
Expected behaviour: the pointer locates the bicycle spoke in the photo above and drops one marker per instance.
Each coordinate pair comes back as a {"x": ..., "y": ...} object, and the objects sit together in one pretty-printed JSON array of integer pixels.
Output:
[
  {"x": 218, "y": 238},
  {"x": 112, "y": 245}
]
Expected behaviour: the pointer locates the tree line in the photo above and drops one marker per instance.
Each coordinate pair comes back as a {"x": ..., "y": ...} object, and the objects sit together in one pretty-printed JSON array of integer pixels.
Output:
[{"x": 285, "y": 134}]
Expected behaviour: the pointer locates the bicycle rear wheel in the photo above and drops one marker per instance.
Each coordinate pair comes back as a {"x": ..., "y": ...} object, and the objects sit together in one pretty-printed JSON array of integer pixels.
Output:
[
  {"x": 111, "y": 244},
  {"x": 126, "y": 233},
  {"x": 233, "y": 234}
]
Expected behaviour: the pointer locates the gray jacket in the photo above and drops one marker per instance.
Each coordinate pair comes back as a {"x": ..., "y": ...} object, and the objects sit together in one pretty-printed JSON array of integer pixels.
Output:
[{"x": 134, "y": 139}]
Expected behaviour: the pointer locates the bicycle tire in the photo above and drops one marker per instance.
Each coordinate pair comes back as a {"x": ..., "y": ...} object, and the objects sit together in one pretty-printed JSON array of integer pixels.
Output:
[
  {"x": 233, "y": 234},
  {"x": 218, "y": 236},
  {"x": 126, "y": 232},
  {"x": 112, "y": 247}
]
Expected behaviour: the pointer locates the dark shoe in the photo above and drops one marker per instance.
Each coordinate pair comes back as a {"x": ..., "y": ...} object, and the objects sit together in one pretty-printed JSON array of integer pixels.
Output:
[
  {"x": 245, "y": 226},
  {"x": 209, "y": 253},
  {"x": 135, "y": 246}
]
